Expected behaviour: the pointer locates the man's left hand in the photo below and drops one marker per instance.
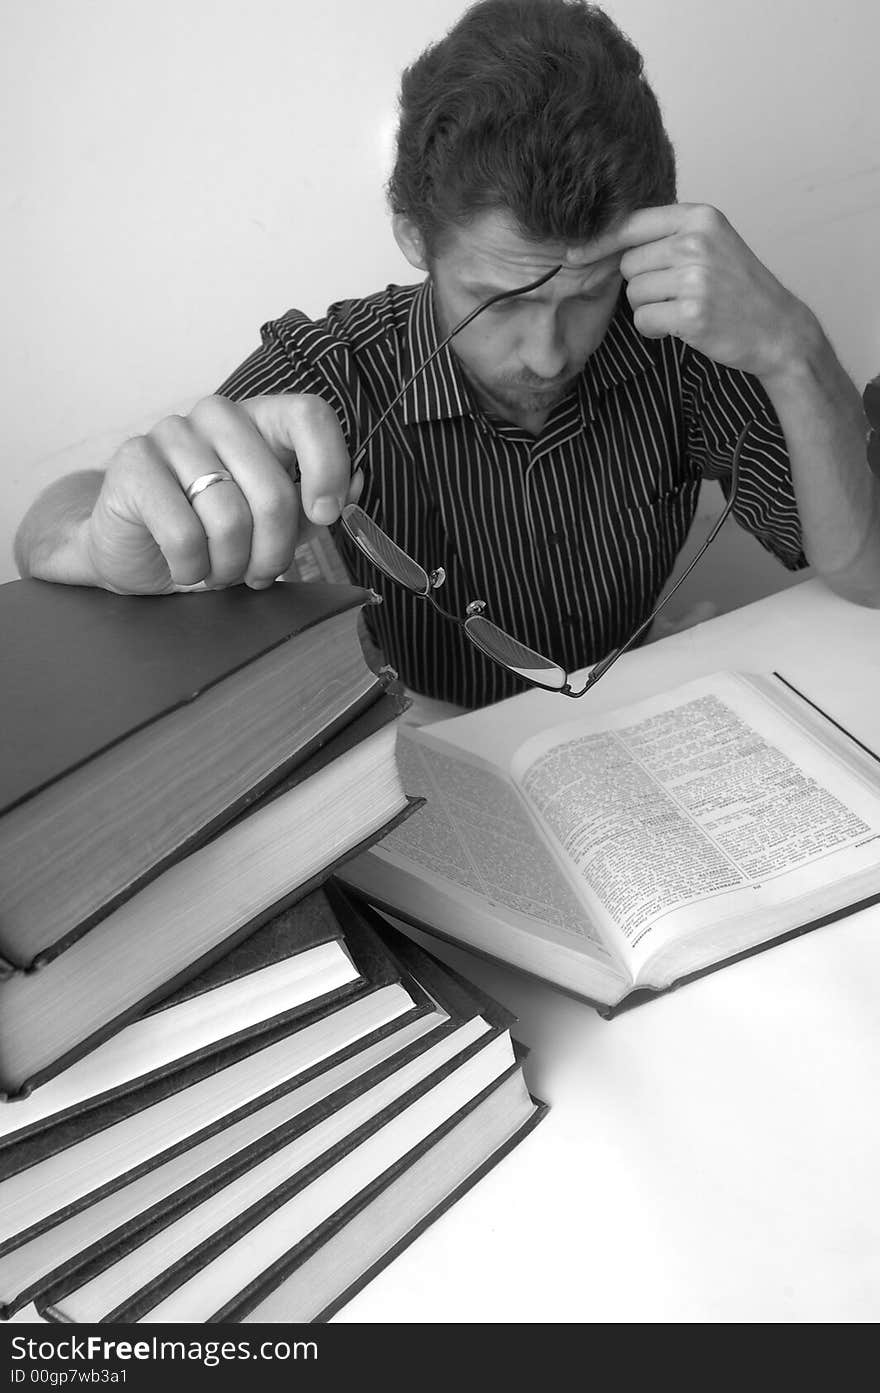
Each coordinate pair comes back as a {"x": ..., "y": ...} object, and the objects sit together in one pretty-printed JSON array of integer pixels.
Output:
[{"x": 690, "y": 274}]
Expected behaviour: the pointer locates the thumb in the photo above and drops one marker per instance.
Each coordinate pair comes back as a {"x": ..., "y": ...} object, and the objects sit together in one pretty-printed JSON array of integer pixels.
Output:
[{"x": 305, "y": 436}]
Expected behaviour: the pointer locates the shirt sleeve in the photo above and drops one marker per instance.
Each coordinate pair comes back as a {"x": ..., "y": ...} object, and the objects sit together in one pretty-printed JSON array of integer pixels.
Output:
[
  {"x": 718, "y": 403},
  {"x": 297, "y": 355}
]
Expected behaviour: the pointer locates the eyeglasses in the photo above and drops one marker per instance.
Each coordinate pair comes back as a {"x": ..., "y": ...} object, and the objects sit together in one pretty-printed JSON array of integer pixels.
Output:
[
  {"x": 501, "y": 647},
  {"x": 871, "y": 403}
]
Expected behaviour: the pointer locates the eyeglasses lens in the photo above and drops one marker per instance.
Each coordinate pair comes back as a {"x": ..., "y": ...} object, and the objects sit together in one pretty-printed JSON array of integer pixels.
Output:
[
  {"x": 512, "y": 654},
  {"x": 871, "y": 399},
  {"x": 384, "y": 553}
]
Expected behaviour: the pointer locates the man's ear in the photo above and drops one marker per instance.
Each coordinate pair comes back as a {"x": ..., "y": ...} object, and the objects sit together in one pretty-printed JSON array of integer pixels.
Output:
[{"x": 410, "y": 240}]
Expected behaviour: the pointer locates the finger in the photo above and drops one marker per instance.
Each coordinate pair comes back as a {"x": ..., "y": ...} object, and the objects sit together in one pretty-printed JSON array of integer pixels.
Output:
[
  {"x": 645, "y": 225},
  {"x": 142, "y": 492},
  {"x": 265, "y": 484},
  {"x": 651, "y": 256},
  {"x": 695, "y": 244},
  {"x": 222, "y": 509},
  {"x": 679, "y": 317},
  {"x": 306, "y": 426},
  {"x": 309, "y": 529},
  {"x": 583, "y": 258},
  {"x": 653, "y": 287},
  {"x": 355, "y": 488}
]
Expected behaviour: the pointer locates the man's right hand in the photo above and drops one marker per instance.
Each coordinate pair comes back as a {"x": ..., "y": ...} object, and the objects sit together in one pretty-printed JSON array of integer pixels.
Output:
[{"x": 290, "y": 472}]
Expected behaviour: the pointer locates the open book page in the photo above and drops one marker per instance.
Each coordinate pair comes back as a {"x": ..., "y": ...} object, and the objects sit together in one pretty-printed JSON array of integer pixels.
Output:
[
  {"x": 711, "y": 818},
  {"x": 474, "y": 834}
]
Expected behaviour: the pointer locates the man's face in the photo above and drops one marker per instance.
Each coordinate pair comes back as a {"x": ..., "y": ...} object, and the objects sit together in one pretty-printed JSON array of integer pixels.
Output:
[{"x": 522, "y": 355}]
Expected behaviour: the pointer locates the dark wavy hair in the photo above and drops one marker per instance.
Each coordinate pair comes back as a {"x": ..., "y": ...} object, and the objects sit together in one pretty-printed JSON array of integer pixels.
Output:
[{"x": 538, "y": 107}]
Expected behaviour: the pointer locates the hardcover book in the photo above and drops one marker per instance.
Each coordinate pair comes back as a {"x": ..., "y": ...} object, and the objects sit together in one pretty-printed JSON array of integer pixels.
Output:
[
  {"x": 133, "y": 727},
  {"x": 280, "y": 848},
  {"x": 618, "y": 855}
]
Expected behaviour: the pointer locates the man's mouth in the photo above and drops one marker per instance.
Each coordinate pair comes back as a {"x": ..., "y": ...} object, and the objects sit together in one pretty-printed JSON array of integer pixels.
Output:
[{"x": 538, "y": 387}]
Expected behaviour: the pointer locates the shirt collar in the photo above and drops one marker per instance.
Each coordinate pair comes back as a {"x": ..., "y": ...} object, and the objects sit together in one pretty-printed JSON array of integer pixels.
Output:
[{"x": 441, "y": 392}]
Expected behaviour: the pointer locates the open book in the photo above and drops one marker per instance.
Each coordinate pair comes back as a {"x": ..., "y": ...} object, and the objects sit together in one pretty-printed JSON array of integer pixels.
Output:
[{"x": 625, "y": 852}]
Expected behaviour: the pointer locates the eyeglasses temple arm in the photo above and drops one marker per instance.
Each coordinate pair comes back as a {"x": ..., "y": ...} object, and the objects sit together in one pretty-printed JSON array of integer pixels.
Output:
[
  {"x": 462, "y": 324},
  {"x": 599, "y": 669}
]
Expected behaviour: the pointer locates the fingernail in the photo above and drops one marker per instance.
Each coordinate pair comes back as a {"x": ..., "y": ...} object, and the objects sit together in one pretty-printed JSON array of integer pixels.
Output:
[{"x": 325, "y": 509}]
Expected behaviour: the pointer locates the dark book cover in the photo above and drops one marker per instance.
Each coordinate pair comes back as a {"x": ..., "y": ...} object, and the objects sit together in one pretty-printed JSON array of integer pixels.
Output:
[
  {"x": 84, "y": 668},
  {"x": 142, "y": 659}
]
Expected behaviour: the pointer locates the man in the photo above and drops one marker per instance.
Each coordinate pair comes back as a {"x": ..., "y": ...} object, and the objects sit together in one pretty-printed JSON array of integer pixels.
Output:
[{"x": 550, "y": 457}]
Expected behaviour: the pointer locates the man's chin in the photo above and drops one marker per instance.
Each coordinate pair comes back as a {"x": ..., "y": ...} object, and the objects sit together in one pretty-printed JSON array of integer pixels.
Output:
[
  {"x": 513, "y": 400},
  {"x": 531, "y": 401}
]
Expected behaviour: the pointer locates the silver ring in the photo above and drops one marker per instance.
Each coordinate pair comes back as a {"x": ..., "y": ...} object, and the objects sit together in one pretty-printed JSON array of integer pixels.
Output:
[{"x": 204, "y": 481}]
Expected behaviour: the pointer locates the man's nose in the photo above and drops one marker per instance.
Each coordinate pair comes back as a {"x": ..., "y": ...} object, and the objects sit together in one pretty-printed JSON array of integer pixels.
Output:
[{"x": 543, "y": 350}]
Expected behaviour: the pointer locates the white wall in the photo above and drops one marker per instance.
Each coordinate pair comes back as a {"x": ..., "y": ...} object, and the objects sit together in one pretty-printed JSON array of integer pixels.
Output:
[{"x": 177, "y": 172}]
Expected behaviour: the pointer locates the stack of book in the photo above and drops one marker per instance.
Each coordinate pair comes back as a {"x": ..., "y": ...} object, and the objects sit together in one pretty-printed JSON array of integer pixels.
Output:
[{"x": 232, "y": 1091}]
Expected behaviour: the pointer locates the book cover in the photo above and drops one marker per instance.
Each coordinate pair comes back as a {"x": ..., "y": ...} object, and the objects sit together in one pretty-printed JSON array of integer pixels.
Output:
[
  {"x": 121, "y": 743},
  {"x": 121, "y": 662}
]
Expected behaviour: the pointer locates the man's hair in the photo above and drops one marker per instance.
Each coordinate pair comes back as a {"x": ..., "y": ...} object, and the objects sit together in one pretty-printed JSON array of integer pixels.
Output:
[{"x": 538, "y": 107}]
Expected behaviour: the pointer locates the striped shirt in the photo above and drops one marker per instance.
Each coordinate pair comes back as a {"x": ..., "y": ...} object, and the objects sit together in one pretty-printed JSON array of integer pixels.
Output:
[{"x": 569, "y": 537}]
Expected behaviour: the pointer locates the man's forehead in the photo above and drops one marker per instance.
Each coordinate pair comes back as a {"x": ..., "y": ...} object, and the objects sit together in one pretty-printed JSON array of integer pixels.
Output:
[{"x": 490, "y": 254}]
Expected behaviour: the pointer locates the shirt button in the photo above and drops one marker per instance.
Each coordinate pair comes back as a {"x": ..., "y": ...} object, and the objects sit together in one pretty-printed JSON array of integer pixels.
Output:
[{"x": 553, "y": 539}]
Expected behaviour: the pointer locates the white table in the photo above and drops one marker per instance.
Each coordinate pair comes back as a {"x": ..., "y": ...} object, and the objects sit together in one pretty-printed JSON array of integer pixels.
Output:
[{"x": 713, "y": 1155}]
